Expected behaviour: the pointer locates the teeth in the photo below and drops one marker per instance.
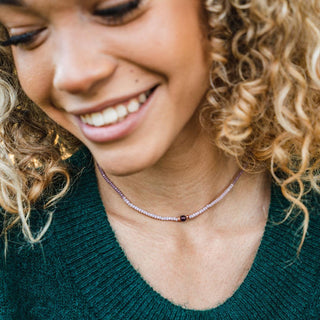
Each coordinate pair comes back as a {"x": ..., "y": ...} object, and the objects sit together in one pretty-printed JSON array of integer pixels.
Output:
[
  {"x": 114, "y": 114},
  {"x": 87, "y": 119},
  {"x": 133, "y": 106},
  {"x": 90, "y": 119},
  {"x": 97, "y": 119},
  {"x": 84, "y": 119},
  {"x": 142, "y": 98},
  {"x": 110, "y": 116},
  {"x": 121, "y": 111}
]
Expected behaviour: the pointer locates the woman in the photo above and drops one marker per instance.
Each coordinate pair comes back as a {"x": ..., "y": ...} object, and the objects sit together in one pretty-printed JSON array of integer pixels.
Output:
[{"x": 204, "y": 115}]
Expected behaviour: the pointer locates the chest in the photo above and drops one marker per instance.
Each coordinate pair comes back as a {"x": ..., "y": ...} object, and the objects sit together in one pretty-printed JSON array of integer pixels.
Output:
[{"x": 194, "y": 275}]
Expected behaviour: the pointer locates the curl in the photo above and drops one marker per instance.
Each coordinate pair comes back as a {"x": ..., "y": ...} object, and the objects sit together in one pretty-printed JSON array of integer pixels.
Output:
[
  {"x": 262, "y": 104},
  {"x": 31, "y": 151}
]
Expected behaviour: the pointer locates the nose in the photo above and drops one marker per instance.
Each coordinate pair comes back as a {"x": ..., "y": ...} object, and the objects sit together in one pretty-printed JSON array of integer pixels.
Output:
[{"x": 80, "y": 65}]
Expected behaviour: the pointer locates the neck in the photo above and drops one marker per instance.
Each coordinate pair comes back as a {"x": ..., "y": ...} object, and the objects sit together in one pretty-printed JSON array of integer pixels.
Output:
[{"x": 187, "y": 178}]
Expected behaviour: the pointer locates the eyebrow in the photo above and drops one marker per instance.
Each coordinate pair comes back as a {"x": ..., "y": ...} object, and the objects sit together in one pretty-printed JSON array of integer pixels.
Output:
[{"x": 12, "y": 2}]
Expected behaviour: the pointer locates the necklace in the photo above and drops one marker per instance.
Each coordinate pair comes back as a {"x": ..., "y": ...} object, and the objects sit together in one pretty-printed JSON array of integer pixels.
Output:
[{"x": 181, "y": 218}]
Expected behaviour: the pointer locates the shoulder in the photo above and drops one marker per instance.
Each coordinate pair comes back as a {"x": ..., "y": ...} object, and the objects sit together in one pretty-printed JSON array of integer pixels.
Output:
[
  {"x": 312, "y": 202},
  {"x": 309, "y": 257},
  {"x": 80, "y": 161},
  {"x": 14, "y": 248},
  {"x": 7, "y": 308},
  {"x": 32, "y": 277},
  {"x": 280, "y": 207},
  {"x": 285, "y": 236}
]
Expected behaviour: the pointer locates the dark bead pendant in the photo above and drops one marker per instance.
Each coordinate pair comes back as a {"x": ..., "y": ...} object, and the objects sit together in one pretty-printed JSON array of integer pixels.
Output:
[{"x": 183, "y": 218}]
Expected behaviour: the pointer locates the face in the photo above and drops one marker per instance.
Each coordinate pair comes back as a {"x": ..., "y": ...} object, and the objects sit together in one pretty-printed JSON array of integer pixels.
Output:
[{"x": 125, "y": 77}]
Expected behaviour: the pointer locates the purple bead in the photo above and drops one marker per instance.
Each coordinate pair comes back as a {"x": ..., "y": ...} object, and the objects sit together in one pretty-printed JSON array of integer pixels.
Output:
[{"x": 183, "y": 218}]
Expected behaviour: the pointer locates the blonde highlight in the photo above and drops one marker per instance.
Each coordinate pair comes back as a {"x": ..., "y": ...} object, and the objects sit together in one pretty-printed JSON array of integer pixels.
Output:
[{"x": 262, "y": 107}]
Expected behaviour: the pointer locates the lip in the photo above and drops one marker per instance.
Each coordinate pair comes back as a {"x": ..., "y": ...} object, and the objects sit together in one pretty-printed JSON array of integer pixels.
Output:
[
  {"x": 110, "y": 102},
  {"x": 120, "y": 129}
]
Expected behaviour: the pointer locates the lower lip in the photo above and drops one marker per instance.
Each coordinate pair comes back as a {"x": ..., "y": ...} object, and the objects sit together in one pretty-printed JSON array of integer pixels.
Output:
[{"x": 117, "y": 130}]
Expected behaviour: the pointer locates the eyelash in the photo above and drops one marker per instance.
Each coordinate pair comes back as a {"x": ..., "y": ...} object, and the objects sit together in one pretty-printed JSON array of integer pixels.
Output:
[
  {"x": 117, "y": 14},
  {"x": 21, "y": 39},
  {"x": 114, "y": 15}
]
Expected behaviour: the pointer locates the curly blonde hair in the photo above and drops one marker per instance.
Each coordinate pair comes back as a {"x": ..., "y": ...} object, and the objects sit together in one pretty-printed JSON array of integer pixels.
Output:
[
  {"x": 262, "y": 107},
  {"x": 32, "y": 147}
]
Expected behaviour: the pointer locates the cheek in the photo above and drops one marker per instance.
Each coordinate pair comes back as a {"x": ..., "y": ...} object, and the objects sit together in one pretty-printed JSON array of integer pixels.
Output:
[
  {"x": 35, "y": 80},
  {"x": 167, "y": 44},
  {"x": 34, "y": 75}
]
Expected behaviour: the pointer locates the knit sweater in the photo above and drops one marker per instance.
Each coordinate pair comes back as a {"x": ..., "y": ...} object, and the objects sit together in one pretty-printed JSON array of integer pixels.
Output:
[{"x": 79, "y": 270}]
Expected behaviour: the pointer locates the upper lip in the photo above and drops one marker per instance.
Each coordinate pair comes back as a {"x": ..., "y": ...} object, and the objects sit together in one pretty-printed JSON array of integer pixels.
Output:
[{"x": 109, "y": 103}]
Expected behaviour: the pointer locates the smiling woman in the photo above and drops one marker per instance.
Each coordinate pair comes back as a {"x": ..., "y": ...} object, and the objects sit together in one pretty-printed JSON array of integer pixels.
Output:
[{"x": 161, "y": 157}]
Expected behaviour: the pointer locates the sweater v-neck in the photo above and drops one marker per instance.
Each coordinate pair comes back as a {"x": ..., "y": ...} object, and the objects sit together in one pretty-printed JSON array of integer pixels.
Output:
[{"x": 113, "y": 288}]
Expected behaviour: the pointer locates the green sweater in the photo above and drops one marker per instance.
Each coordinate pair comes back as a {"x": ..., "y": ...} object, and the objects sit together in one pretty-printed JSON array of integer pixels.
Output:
[{"x": 80, "y": 272}]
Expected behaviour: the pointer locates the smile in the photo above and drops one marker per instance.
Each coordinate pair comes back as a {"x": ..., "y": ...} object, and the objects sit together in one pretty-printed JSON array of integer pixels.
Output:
[{"x": 116, "y": 113}]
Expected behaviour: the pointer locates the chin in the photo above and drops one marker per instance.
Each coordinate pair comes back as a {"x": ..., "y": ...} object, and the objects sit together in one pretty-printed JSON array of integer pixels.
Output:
[
  {"x": 124, "y": 171},
  {"x": 125, "y": 165}
]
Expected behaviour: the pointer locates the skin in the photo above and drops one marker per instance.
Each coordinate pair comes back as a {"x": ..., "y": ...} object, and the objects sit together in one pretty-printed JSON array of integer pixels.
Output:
[
  {"x": 64, "y": 76},
  {"x": 78, "y": 61}
]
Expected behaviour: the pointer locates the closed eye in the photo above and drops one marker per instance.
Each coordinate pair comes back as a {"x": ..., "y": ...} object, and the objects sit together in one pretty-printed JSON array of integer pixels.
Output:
[
  {"x": 119, "y": 13},
  {"x": 25, "y": 38}
]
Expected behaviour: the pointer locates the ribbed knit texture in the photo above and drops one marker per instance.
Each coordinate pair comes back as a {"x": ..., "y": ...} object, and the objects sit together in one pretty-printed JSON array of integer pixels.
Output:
[{"x": 80, "y": 271}]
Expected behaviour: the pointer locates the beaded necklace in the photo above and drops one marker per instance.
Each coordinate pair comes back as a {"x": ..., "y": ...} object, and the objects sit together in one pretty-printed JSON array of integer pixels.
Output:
[{"x": 181, "y": 218}]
